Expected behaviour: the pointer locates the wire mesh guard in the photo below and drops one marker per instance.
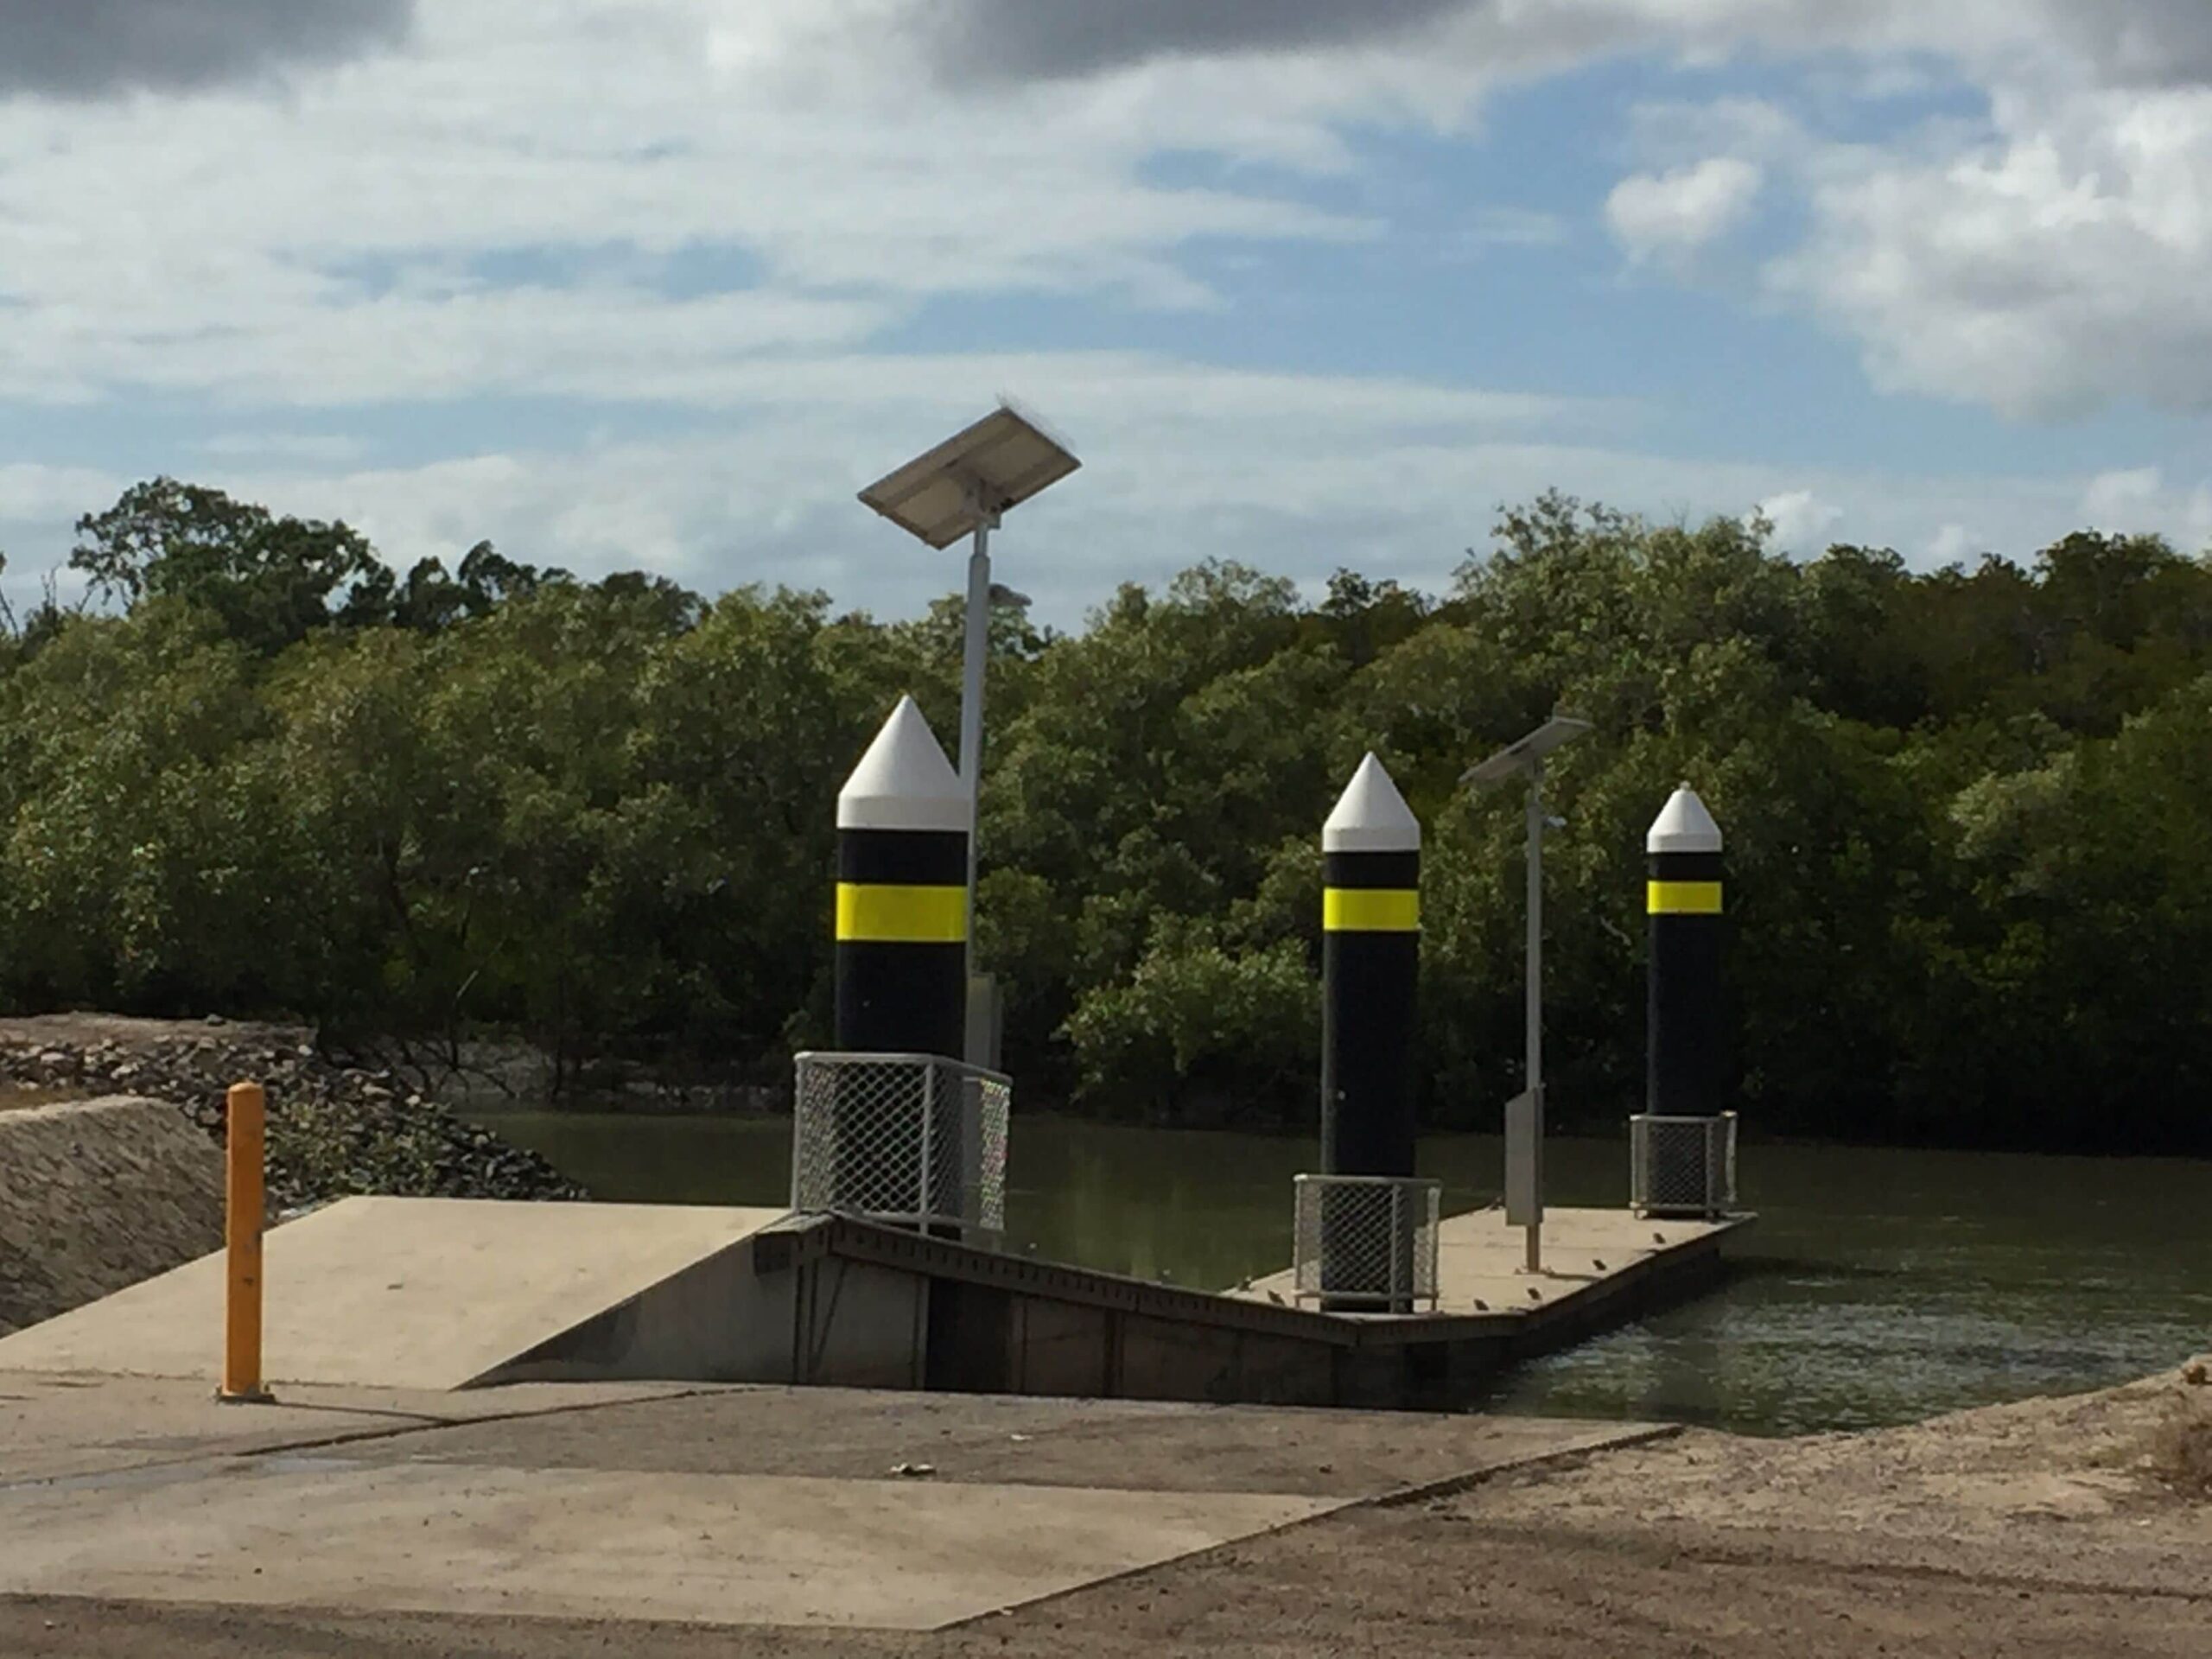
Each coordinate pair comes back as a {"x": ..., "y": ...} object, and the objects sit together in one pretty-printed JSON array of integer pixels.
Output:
[
  {"x": 1366, "y": 1240},
  {"x": 1681, "y": 1166},
  {"x": 912, "y": 1139}
]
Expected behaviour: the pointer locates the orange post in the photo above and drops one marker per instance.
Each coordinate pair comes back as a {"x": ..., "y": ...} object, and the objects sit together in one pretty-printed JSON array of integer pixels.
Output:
[{"x": 242, "y": 1229}]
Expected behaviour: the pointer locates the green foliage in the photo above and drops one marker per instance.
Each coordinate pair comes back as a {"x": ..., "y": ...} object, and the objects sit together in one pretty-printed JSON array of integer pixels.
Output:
[
  {"x": 1967, "y": 812},
  {"x": 131, "y": 857},
  {"x": 272, "y": 581},
  {"x": 1200, "y": 1033},
  {"x": 268, "y": 580}
]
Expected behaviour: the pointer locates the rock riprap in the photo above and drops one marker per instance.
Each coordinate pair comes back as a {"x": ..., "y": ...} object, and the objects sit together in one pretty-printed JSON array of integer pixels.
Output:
[{"x": 334, "y": 1130}]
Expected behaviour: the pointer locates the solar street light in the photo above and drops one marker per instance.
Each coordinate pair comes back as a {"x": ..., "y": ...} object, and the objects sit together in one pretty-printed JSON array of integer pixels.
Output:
[{"x": 964, "y": 487}]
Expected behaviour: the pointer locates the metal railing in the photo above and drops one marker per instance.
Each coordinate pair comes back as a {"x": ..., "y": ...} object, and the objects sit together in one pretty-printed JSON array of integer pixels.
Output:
[
  {"x": 913, "y": 1140},
  {"x": 1366, "y": 1242},
  {"x": 1681, "y": 1166}
]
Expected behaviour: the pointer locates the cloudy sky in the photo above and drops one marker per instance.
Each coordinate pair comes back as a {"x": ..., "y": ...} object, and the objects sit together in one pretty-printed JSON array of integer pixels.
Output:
[{"x": 662, "y": 283}]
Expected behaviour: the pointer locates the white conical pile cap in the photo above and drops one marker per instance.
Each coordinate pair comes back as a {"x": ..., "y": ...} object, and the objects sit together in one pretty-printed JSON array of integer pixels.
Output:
[
  {"x": 1683, "y": 826},
  {"x": 903, "y": 781},
  {"x": 1371, "y": 816}
]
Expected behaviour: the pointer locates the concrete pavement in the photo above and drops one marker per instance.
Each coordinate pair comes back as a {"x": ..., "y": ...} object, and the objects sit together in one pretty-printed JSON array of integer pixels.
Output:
[
  {"x": 55, "y": 1427},
  {"x": 320, "y": 1530},
  {"x": 721, "y": 1506}
]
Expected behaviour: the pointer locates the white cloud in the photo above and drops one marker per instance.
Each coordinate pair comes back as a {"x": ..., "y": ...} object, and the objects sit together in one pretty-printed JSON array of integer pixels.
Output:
[
  {"x": 2196, "y": 519},
  {"x": 31, "y": 493},
  {"x": 2116, "y": 499},
  {"x": 2140, "y": 501},
  {"x": 235, "y": 242},
  {"x": 1952, "y": 544},
  {"x": 591, "y": 342},
  {"x": 1297, "y": 474},
  {"x": 2054, "y": 266},
  {"x": 38, "y": 506},
  {"x": 653, "y": 213},
  {"x": 1670, "y": 214},
  {"x": 723, "y": 206},
  {"x": 1802, "y": 520},
  {"x": 2144, "y": 500},
  {"x": 324, "y": 447},
  {"x": 1182, "y": 463}
]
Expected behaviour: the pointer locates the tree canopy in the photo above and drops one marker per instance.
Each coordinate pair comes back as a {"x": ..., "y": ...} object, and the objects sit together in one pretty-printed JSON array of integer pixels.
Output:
[{"x": 1967, "y": 812}]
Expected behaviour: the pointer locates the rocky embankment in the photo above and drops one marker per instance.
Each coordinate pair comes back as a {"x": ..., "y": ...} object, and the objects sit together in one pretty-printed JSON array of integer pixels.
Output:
[
  {"x": 334, "y": 1130},
  {"x": 96, "y": 1195}
]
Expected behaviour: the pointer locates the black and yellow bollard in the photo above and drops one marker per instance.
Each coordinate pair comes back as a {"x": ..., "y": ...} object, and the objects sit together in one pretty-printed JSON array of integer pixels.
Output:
[
  {"x": 903, "y": 820},
  {"x": 1371, "y": 967},
  {"x": 902, "y": 896},
  {"x": 1686, "y": 1043}
]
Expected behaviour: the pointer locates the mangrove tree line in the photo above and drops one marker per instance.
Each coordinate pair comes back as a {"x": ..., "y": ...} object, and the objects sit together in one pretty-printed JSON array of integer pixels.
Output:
[{"x": 1970, "y": 885}]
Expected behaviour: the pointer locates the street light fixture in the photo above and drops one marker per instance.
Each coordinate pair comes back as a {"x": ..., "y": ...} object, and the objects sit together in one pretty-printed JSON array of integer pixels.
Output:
[
  {"x": 1524, "y": 1115},
  {"x": 963, "y": 487}
]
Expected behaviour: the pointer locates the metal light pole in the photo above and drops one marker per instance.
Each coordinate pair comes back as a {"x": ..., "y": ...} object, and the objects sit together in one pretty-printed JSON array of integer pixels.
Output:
[
  {"x": 974, "y": 650},
  {"x": 1532, "y": 1086},
  {"x": 1535, "y": 905},
  {"x": 1524, "y": 1115}
]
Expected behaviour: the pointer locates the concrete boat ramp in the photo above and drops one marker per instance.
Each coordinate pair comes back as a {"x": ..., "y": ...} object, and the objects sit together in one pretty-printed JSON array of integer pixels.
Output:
[
  {"x": 425, "y": 1293},
  {"x": 440, "y": 1294},
  {"x": 585, "y": 1413},
  {"x": 641, "y": 1505}
]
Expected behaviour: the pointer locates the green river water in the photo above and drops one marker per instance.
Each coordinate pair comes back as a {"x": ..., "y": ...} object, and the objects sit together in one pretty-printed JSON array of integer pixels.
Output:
[{"x": 1879, "y": 1285}]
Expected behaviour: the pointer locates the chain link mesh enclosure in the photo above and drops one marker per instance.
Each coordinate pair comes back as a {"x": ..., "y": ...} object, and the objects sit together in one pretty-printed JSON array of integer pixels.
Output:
[
  {"x": 1366, "y": 1240},
  {"x": 910, "y": 1139},
  {"x": 1683, "y": 1165}
]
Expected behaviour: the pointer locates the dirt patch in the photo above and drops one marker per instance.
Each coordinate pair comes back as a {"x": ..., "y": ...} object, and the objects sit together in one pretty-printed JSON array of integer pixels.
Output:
[
  {"x": 2073, "y": 1455},
  {"x": 2177, "y": 1452},
  {"x": 2078, "y": 1490}
]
